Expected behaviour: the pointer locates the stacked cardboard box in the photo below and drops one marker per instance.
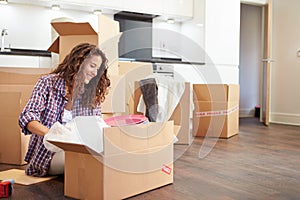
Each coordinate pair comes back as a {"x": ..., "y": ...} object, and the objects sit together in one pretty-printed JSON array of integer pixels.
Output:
[
  {"x": 216, "y": 112},
  {"x": 16, "y": 85}
]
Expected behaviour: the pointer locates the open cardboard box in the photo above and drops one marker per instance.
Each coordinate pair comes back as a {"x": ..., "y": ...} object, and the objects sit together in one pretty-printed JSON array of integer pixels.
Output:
[
  {"x": 71, "y": 34},
  {"x": 74, "y": 33},
  {"x": 115, "y": 100},
  {"x": 216, "y": 112},
  {"x": 180, "y": 115},
  {"x": 133, "y": 71},
  {"x": 135, "y": 159},
  {"x": 16, "y": 85}
]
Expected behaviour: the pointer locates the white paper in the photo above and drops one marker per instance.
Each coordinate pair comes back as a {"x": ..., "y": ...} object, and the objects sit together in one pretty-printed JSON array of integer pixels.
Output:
[{"x": 84, "y": 130}]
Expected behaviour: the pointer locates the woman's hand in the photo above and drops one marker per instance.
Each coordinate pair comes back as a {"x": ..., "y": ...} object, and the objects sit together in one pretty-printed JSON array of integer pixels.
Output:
[{"x": 37, "y": 128}]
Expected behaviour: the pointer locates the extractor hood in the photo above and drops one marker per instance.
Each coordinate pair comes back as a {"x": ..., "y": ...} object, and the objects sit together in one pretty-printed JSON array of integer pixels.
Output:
[
  {"x": 136, "y": 39},
  {"x": 134, "y": 16}
]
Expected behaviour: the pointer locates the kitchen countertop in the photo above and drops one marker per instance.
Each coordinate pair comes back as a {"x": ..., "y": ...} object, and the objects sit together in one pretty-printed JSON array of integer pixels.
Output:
[
  {"x": 162, "y": 60},
  {"x": 25, "y": 52},
  {"x": 45, "y": 53}
]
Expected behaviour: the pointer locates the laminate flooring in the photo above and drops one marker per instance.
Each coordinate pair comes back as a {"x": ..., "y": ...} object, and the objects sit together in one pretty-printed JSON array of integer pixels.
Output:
[{"x": 259, "y": 163}]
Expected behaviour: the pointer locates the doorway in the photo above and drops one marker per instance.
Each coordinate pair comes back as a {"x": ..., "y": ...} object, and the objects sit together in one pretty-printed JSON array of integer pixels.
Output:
[{"x": 251, "y": 51}]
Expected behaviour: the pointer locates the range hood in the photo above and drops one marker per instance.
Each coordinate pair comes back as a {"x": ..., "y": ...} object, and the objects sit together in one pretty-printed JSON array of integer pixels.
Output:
[
  {"x": 136, "y": 39},
  {"x": 134, "y": 16}
]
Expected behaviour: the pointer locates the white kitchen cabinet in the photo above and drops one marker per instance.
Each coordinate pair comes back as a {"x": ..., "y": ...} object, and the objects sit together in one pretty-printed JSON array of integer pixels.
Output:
[
  {"x": 149, "y": 7},
  {"x": 73, "y": 1},
  {"x": 109, "y": 4},
  {"x": 45, "y": 62},
  {"x": 169, "y": 8},
  {"x": 25, "y": 61},
  {"x": 178, "y": 8}
]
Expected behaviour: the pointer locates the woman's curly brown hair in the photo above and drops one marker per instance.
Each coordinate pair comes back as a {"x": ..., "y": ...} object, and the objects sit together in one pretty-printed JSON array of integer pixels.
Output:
[{"x": 70, "y": 69}]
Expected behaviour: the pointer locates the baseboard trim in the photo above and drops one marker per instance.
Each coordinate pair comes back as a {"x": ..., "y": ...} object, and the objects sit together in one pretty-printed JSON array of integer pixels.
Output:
[
  {"x": 285, "y": 118},
  {"x": 246, "y": 112}
]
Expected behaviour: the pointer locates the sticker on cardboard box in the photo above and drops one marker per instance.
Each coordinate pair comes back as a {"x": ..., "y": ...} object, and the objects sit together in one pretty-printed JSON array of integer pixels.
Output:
[{"x": 166, "y": 169}]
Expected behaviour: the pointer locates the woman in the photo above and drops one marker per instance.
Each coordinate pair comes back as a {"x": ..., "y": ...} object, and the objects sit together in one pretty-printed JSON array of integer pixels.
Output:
[{"x": 76, "y": 87}]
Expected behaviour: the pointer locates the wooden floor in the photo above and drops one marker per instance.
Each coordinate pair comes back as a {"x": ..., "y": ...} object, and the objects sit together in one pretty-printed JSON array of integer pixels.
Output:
[{"x": 259, "y": 163}]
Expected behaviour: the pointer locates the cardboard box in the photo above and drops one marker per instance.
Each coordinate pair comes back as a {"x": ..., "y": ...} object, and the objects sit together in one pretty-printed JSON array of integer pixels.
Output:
[
  {"x": 72, "y": 34},
  {"x": 109, "y": 37},
  {"x": 115, "y": 100},
  {"x": 216, "y": 119},
  {"x": 133, "y": 71},
  {"x": 216, "y": 92},
  {"x": 180, "y": 116},
  {"x": 16, "y": 85},
  {"x": 135, "y": 159},
  {"x": 216, "y": 112}
]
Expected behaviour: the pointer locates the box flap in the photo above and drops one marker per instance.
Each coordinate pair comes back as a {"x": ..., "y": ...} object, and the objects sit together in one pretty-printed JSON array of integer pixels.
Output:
[
  {"x": 72, "y": 28},
  {"x": 54, "y": 46},
  {"x": 79, "y": 148}
]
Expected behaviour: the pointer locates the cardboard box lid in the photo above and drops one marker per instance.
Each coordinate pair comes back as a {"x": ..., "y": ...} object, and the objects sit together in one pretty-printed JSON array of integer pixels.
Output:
[
  {"x": 72, "y": 28},
  {"x": 68, "y": 29},
  {"x": 73, "y": 147},
  {"x": 216, "y": 92}
]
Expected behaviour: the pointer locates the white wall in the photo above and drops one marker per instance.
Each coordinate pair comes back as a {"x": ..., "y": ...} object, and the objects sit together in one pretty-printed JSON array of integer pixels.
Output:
[
  {"x": 222, "y": 35},
  {"x": 29, "y": 26},
  {"x": 250, "y": 69},
  {"x": 254, "y": 2},
  {"x": 285, "y": 71},
  {"x": 218, "y": 37},
  {"x": 194, "y": 30},
  {"x": 166, "y": 39}
]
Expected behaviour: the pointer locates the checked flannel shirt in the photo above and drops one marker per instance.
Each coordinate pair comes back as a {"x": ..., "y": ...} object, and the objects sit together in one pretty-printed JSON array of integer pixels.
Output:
[{"x": 46, "y": 105}]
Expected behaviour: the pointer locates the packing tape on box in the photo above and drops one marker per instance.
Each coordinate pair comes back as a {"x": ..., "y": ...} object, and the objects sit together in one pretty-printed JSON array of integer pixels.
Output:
[{"x": 216, "y": 112}]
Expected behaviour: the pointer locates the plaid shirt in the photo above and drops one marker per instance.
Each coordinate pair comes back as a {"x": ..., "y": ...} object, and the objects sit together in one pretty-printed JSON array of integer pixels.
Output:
[{"x": 46, "y": 105}]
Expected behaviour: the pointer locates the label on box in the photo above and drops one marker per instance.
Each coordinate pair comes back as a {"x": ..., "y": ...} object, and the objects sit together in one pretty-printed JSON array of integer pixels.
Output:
[
  {"x": 216, "y": 112},
  {"x": 166, "y": 169}
]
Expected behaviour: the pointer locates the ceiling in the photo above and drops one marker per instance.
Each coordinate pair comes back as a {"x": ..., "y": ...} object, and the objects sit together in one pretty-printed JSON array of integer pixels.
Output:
[{"x": 67, "y": 4}]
